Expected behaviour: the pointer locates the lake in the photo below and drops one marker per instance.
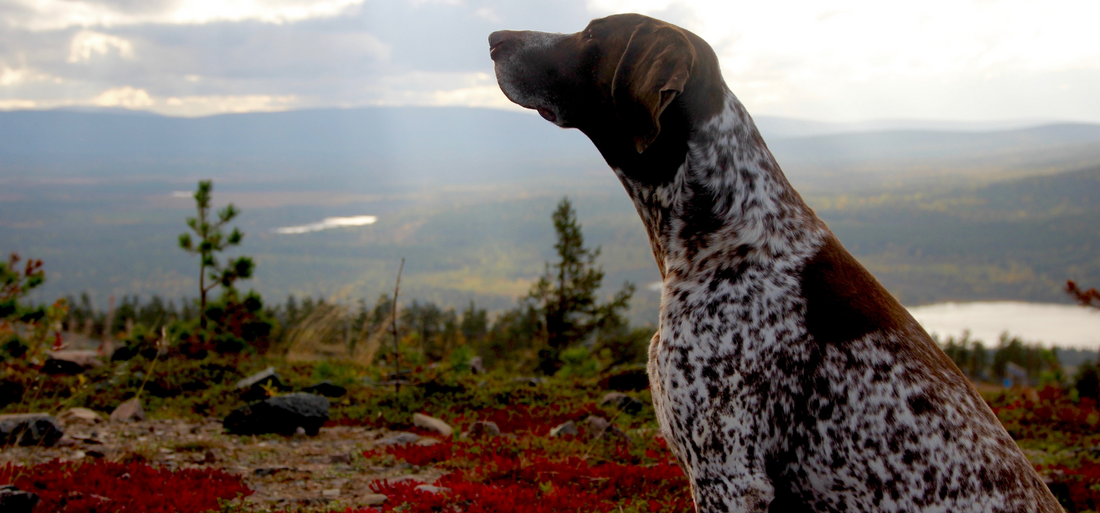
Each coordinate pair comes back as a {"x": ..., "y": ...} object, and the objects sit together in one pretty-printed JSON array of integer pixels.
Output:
[{"x": 1050, "y": 324}]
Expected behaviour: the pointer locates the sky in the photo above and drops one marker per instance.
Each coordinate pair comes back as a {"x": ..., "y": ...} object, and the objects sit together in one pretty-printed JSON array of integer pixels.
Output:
[{"x": 958, "y": 60}]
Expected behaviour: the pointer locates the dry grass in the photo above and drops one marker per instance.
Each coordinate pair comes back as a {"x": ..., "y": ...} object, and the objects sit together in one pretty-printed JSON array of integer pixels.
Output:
[{"x": 327, "y": 333}]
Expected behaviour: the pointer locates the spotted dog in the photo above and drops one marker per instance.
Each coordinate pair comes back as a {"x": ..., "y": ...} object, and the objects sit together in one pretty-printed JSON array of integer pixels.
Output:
[{"x": 785, "y": 378}]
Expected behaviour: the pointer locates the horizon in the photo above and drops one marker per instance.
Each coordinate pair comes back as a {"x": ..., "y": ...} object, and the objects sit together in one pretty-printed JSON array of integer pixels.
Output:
[{"x": 978, "y": 125}]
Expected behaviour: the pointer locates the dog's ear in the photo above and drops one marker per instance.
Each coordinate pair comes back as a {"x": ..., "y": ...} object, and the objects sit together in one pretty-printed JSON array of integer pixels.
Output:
[{"x": 652, "y": 71}]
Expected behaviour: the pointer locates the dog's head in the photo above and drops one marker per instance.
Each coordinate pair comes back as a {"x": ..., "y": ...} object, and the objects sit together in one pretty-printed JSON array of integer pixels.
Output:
[{"x": 616, "y": 77}]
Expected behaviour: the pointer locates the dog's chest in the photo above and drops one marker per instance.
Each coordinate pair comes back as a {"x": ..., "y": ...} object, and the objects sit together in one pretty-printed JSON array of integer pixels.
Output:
[{"x": 727, "y": 358}]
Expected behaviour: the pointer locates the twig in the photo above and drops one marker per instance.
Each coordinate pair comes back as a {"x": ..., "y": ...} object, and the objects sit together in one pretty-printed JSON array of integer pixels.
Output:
[{"x": 396, "y": 354}]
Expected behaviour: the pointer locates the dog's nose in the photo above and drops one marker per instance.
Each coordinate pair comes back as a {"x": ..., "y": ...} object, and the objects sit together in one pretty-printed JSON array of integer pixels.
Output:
[{"x": 499, "y": 41}]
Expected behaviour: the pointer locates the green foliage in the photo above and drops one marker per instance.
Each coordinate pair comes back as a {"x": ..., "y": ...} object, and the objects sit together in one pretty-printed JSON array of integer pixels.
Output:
[
  {"x": 460, "y": 358},
  {"x": 211, "y": 240},
  {"x": 34, "y": 322},
  {"x": 1032, "y": 357},
  {"x": 970, "y": 356},
  {"x": 565, "y": 295},
  {"x": 578, "y": 362}
]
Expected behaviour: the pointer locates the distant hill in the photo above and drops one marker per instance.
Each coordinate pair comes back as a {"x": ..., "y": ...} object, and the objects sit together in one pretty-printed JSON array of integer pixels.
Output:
[
  {"x": 466, "y": 194},
  {"x": 417, "y": 147}
]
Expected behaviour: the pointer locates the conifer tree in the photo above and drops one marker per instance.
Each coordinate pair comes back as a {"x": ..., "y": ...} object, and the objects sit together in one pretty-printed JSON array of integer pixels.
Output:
[
  {"x": 212, "y": 240},
  {"x": 566, "y": 293}
]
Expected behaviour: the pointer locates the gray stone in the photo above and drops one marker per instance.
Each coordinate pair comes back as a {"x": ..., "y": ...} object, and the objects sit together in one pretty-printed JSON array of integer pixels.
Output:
[
  {"x": 432, "y": 424},
  {"x": 399, "y": 438},
  {"x": 372, "y": 499},
  {"x": 252, "y": 387},
  {"x": 483, "y": 429},
  {"x": 568, "y": 428},
  {"x": 530, "y": 381},
  {"x": 432, "y": 489},
  {"x": 129, "y": 411},
  {"x": 622, "y": 402},
  {"x": 80, "y": 416},
  {"x": 14, "y": 500},
  {"x": 476, "y": 365},
  {"x": 39, "y": 429},
  {"x": 598, "y": 428},
  {"x": 282, "y": 414}
]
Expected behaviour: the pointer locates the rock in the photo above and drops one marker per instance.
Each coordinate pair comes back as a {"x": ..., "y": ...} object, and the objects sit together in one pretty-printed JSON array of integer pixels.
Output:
[
  {"x": 568, "y": 428},
  {"x": 80, "y": 416},
  {"x": 282, "y": 414},
  {"x": 530, "y": 381},
  {"x": 476, "y": 365},
  {"x": 598, "y": 428},
  {"x": 432, "y": 424},
  {"x": 29, "y": 429},
  {"x": 371, "y": 499},
  {"x": 399, "y": 438},
  {"x": 252, "y": 387},
  {"x": 129, "y": 411},
  {"x": 327, "y": 389},
  {"x": 632, "y": 378},
  {"x": 432, "y": 489},
  {"x": 622, "y": 401},
  {"x": 14, "y": 500},
  {"x": 483, "y": 429},
  {"x": 70, "y": 362},
  {"x": 331, "y": 492}
]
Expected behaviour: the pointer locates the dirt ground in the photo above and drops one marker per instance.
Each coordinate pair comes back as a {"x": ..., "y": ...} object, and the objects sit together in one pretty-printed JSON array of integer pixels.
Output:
[{"x": 305, "y": 473}]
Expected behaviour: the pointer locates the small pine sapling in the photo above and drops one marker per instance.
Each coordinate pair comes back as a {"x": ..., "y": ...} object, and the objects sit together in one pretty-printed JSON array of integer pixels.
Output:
[{"x": 212, "y": 240}]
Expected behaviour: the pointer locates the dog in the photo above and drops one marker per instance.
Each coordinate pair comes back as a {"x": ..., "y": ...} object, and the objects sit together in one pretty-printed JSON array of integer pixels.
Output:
[{"x": 784, "y": 376}]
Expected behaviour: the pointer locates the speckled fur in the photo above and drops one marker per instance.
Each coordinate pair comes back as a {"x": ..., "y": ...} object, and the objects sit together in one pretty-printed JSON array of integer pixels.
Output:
[{"x": 764, "y": 403}]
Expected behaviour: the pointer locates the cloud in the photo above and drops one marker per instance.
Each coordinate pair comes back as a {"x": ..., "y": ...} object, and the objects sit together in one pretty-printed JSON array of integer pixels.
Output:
[
  {"x": 86, "y": 43},
  {"x": 127, "y": 97},
  {"x": 836, "y": 60},
  {"x": 38, "y": 15}
]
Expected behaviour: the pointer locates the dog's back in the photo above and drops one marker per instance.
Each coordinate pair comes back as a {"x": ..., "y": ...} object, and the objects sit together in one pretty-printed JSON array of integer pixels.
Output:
[{"x": 783, "y": 374}]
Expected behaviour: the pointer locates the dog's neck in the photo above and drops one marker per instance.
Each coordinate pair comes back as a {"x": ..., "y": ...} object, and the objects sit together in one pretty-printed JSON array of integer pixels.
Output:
[{"x": 725, "y": 202}]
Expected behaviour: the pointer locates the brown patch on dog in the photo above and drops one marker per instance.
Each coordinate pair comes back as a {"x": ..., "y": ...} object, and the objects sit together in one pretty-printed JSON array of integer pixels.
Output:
[
  {"x": 651, "y": 73},
  {"x": 843, "y": 301}
]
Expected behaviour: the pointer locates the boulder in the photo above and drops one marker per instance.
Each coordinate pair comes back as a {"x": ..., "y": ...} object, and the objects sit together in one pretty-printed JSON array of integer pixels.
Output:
[
  {"x": 327, "y": 389},
  {"x": 567, "y": 428},
  {"x": 129, "y": 411},
  {"x": 432, "y": 424},
  {"x": 483, "y": 429},
  {"x": 476, "y": 365},
  {"x": 252, "y": 387},
  {"x": 39, "y": 429},
  {"x": 598, "y": 428},
  {"x": 70, "y": 362},
  {"x": 282, "y": 414},
  {"x": 14, "y": 500},
  {"x": 80, "y": 416},
  {"x": 622, "y": 402}
]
